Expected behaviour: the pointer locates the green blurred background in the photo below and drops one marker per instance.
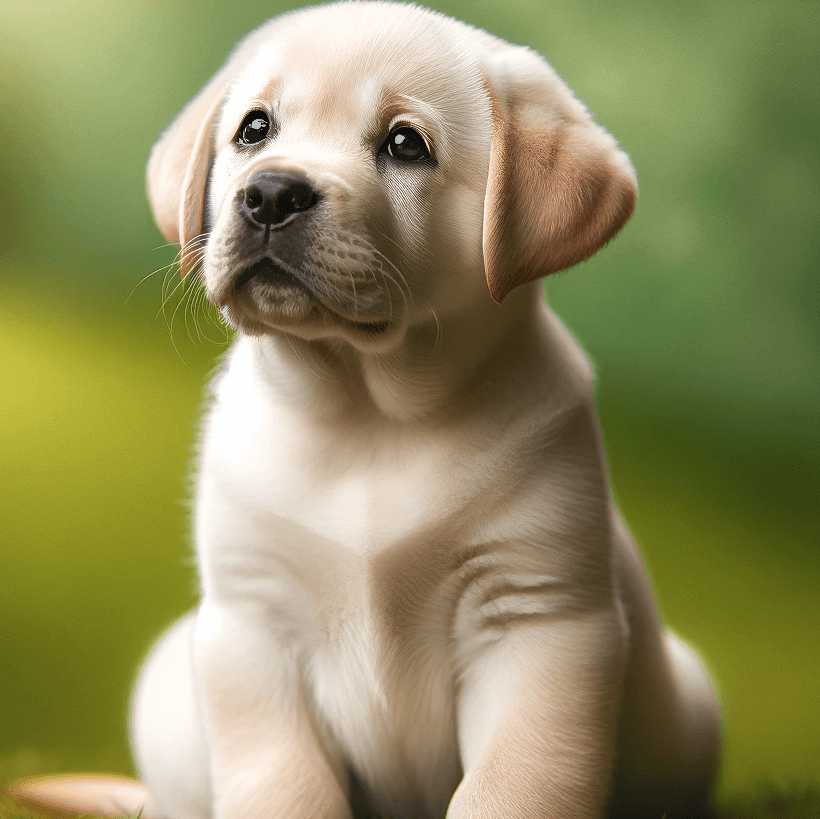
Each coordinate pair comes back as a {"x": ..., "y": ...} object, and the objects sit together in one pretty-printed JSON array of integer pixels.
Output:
[{"x": 702, "y": 320}]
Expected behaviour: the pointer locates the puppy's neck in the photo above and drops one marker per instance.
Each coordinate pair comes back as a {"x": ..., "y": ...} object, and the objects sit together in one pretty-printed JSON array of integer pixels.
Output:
[{"x": 439, "y": 369}]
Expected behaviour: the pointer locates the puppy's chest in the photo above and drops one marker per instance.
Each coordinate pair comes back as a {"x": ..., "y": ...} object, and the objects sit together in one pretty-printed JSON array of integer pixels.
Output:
[
  {"x": 350, "y": 555},
  {"x": 272, "y": 484},
  {"x": 324, "y": 533}
]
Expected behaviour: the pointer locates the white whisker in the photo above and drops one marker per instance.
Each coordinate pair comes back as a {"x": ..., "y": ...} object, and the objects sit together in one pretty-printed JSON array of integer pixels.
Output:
[
  {"x": 145, "y": 279},
  {"x": 439, "y": 331}
]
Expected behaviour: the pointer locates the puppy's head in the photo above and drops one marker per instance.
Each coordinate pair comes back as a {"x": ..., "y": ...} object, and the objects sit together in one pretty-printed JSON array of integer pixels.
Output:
[{"x": 360, "y": 167}]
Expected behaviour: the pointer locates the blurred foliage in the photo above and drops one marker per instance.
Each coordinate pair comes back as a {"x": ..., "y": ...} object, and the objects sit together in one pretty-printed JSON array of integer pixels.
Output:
[{"x": 702, "y": 320}]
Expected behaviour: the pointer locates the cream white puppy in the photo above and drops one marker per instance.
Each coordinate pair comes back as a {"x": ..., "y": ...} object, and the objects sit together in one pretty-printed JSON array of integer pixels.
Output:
[{"x": 418, "y": 598}]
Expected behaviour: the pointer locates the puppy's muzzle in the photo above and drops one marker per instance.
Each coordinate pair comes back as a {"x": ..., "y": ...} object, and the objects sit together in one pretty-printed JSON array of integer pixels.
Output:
[
  {"x": 273, "y": 200},
  {"x": 271, "y": 241}
]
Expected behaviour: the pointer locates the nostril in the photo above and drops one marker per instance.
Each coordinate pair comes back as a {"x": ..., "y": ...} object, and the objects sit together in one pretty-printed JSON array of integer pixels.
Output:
[
  {"x": 253, "y": 197},
  {"x": 302, "y": 197}
]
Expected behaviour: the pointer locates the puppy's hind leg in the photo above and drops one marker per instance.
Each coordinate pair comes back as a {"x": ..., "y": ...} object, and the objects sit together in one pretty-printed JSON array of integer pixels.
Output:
[
  {"x": 699, "y": 736},
  {"x": 167, "y": 736},
  {"x": 669, "y": 746}
]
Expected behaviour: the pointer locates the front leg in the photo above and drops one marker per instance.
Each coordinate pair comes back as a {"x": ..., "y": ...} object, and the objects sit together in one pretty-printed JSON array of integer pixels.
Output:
[
  {"x": 267, "y": 760},
  {"x": 537, "y": 719}
]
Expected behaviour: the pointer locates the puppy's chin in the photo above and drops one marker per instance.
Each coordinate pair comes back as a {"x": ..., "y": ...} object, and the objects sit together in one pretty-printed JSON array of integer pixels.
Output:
[{"x": 267, "y": 299}]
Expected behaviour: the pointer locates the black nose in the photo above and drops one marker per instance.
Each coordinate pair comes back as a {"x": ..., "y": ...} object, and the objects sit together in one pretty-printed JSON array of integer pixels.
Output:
[{"x": 270, "y": 198}]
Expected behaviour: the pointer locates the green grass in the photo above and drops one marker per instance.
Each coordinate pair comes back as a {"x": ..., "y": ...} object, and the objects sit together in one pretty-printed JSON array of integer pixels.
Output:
[{"x": 771, "y": 802}]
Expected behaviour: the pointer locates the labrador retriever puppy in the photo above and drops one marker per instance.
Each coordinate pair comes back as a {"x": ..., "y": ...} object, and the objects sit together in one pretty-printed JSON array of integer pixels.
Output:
[{"x": 418, "y": 597}]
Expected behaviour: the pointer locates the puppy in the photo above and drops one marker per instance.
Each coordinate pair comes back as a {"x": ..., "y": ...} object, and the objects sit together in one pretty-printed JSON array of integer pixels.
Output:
[{"x": 418, "y": 598}]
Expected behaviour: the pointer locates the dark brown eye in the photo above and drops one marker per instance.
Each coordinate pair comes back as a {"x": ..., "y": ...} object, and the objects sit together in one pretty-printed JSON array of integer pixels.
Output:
[
  {"x": 254, "y": 128},
  {"x": 406, "y": 144}
]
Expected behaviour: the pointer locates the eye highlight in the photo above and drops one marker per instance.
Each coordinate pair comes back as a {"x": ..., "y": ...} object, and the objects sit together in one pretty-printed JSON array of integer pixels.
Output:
[
  {"x": 406, "y": 144},
  {"x": 254, "y": 128}
]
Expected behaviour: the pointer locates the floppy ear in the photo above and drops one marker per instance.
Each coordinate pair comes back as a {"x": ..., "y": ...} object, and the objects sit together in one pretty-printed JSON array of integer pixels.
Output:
[
  {"x": 559, "y": 188},
  {"x": 178, "y": 168}
]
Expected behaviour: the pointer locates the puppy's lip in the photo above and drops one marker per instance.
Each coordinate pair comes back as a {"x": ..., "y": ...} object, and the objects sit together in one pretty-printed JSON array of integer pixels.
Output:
[
  {"x": 319, "y": 317},
  {"x": 264, "y": 268},
  {"x": 270, "y": 271}
]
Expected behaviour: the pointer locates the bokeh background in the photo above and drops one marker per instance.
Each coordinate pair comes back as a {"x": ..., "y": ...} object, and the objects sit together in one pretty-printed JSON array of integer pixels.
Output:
[{"x": 702, "y": 320}]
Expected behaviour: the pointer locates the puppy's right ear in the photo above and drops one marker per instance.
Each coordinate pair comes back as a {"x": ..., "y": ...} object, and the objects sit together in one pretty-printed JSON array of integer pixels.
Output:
[
  {"x": 181, "y": 159},
  {"x": 178, "y": 170}
]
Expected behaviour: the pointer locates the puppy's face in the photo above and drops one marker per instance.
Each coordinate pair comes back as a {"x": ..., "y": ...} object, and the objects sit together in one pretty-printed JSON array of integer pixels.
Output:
[
  {"x": 347, "y": 186},
  {"x": 356, "y": 169}
]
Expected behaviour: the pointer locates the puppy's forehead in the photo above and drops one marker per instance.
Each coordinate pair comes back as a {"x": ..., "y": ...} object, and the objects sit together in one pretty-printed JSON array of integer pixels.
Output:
[{"x": 339, "y": 62}]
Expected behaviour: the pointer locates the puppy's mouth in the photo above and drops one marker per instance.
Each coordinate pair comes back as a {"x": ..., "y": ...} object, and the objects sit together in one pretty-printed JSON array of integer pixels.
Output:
[
  {"x": 266, "y": 294},
  {"x": 266, "y": 272}
]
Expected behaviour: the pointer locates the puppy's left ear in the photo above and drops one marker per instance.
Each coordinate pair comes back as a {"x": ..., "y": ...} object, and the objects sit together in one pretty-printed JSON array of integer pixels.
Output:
[{"x": 559, "y": 188}]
